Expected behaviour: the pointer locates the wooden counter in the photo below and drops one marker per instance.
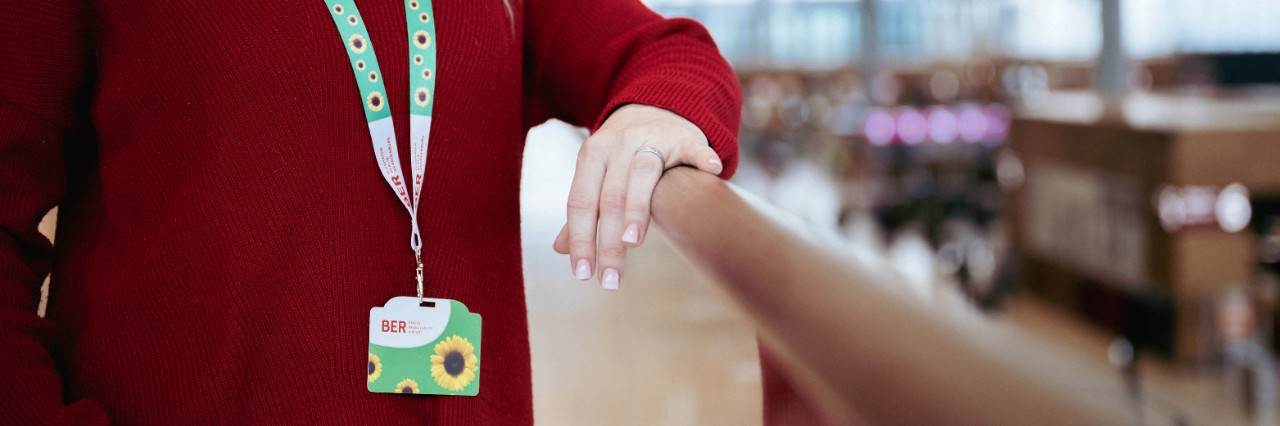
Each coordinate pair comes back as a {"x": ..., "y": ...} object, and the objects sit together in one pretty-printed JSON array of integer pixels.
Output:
[{"x": 1088, "y": 216}]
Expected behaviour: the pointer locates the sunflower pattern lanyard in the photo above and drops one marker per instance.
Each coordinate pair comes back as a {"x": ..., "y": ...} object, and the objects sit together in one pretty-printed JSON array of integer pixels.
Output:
[{"x": 416, "y": 344}]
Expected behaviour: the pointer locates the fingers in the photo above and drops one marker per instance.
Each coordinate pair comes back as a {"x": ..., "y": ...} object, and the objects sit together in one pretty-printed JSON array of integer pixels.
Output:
[
  {"x": 617, "y": 207},
  {"x": 646, "y": 169},
  {"x": 705, "y": 159},
  {"x": 583, "y": 206},
  {"x": 612, "y": 253},
  {"x": 608, "y": 208},
  {"x": 562, "y": 240}
]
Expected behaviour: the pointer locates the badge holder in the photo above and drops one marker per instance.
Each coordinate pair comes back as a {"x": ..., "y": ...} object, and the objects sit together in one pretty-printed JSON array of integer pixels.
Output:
[
  {"x": 424, "y": 346},
  {"x": 432, "y": 349}
]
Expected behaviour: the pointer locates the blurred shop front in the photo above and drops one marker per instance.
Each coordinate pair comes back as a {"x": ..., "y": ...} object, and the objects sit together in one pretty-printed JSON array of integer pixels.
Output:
[{"x": 1112, "y": 163}]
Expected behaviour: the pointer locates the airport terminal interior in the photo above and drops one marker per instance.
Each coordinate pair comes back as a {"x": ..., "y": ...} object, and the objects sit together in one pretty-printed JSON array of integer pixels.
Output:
[{"x": 1081, "y": 197}]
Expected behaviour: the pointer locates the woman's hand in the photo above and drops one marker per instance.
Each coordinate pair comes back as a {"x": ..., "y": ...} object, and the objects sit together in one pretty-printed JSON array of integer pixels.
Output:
[{"x": 609, "y": 199}]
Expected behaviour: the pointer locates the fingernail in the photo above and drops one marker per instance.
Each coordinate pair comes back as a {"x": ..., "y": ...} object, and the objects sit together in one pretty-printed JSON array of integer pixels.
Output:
[
  {"x": 610, "y": 281},
  {"x": 632, "y": 234},
  {"x": 714, "y": 162},
  {"x": 583, "y": 270}
]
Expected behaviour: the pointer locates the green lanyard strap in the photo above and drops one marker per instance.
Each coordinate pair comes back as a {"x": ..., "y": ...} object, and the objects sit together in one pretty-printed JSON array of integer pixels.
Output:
[{"x": 422, "y": 65}]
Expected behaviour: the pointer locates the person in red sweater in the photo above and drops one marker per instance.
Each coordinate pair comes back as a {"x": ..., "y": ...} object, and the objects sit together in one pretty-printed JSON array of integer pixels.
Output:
[{"x": 223, "y": 231}]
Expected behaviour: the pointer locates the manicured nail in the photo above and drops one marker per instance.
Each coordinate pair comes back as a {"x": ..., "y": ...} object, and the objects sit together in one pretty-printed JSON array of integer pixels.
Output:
[
  {"x": 714, "y": 162},
  {"x": 583, "y": 270},
  {"x": 632, "y": 234},
  {"x": 610, "y": 281}
]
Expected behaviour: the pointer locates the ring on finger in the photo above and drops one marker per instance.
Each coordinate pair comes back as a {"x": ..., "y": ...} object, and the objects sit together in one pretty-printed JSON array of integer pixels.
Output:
[{"x": 653, "y": 151}]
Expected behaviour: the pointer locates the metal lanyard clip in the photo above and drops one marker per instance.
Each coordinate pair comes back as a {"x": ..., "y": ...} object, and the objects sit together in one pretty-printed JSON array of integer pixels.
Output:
[{"x": 417, "y": 255}]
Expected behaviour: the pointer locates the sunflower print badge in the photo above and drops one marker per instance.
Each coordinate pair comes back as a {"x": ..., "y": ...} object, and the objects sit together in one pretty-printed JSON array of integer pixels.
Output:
[
  {"x": 454, "y": 365},
  {"x": 415, "y": 349}
]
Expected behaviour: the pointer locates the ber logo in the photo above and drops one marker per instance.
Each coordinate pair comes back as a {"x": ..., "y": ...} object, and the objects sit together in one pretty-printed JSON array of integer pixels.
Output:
[{"x": 393, "y": 326}]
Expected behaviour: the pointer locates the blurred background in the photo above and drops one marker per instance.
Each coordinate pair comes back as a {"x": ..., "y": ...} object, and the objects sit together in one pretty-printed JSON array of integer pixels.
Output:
[{"x": 1100, "y": 173}]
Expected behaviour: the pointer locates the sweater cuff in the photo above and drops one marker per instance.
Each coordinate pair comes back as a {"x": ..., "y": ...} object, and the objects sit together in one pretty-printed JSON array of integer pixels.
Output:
[{"x": 715, "y": 114}]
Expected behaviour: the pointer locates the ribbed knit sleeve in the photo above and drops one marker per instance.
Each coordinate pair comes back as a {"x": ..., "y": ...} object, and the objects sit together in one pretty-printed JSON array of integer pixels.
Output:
[
  {"x": 43, "y": 51},
  {"x": 589, "y": 57}
]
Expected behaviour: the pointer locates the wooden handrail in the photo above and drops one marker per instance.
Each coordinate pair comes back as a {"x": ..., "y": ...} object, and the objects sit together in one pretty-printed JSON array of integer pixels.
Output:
[{"x": 865, "y": 351}]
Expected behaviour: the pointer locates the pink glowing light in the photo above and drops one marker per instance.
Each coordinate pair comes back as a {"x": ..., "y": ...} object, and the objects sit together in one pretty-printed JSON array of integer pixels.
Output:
[
  {"x": 879, "y": 127},
  {"x": 913, "y": 126},
  {"x": 943, "y": 125},
  {"x": 972, "y": 124}
]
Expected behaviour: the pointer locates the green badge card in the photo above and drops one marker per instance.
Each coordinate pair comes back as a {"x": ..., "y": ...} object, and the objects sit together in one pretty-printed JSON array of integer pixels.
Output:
[{"x": 427, "y": 348}]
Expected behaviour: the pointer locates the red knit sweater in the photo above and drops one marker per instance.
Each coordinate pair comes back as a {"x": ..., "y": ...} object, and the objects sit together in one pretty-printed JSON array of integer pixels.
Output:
[{"x": 224, "y": 229}]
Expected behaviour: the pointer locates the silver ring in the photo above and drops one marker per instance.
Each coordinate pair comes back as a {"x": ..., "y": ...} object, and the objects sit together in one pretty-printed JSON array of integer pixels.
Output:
[{"x": 653, "y": 151}]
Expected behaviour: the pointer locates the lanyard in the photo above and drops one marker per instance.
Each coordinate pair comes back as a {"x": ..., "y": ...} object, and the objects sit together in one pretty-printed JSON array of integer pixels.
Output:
[{"x": 422, "y": 64}]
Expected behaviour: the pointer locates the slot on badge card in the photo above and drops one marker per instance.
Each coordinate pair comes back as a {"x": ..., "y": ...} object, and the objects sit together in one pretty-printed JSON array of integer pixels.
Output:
[{"x": 431, "y": 347}]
